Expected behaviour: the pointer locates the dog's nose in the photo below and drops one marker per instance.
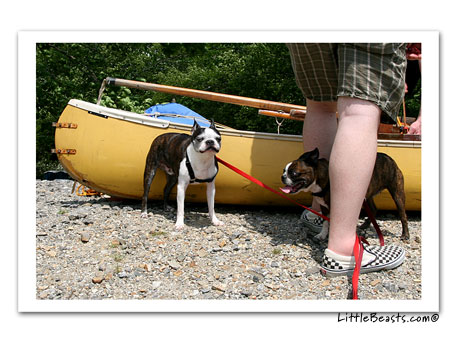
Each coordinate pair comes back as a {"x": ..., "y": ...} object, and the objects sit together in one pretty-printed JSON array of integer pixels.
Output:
[{"x": 210, "y": 142}]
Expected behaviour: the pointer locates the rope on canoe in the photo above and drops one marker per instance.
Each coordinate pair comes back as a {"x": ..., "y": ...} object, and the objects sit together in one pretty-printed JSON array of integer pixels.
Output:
[{"x": 82, "y": 191}]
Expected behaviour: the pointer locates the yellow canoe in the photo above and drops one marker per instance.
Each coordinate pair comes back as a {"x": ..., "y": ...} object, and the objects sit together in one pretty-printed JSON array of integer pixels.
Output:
[{"x": 105, "y": 149}]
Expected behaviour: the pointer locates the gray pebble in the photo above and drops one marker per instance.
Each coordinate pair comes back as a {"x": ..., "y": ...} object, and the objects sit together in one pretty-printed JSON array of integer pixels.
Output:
[
  {"x": 181, "y": 258},
  {"x": 246, "y": 292},
  {"x": 390, "y": 287},
  {"x": 85, "y": 236},
  {"x": 156, "y": 284},
  {"x": 123, "y": 275},
  {"x": 174, "y": 265},
  {"x": 312, "y": 270}
]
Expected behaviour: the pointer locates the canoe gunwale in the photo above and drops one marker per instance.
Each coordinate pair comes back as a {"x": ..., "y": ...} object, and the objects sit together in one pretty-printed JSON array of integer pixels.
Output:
[
  {"x": 119, "y": 114},
  {"x": 155, "y": 122}
]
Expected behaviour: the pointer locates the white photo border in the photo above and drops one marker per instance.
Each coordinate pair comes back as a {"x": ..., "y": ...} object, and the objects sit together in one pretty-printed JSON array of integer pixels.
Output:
[{"x": 27, "y": 301}]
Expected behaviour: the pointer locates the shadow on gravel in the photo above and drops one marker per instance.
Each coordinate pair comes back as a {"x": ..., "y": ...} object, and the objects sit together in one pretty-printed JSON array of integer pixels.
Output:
[{"x": 281, "y": 224}]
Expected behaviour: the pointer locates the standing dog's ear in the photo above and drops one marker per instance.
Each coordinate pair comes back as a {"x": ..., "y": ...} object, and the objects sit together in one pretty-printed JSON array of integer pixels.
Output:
[
  {"x": 310, "y": 156},
  {"x": 315, "y": 154},
  {"x": 195, "y": 127}
]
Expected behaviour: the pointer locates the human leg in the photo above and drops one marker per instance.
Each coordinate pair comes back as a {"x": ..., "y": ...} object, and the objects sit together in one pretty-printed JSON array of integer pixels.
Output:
[
  {"x": 319, "y": 130},
  {"x": 371, "y": 79},
  {"x": 350, "y": 169},
  {"x": 320, "y": 126}
]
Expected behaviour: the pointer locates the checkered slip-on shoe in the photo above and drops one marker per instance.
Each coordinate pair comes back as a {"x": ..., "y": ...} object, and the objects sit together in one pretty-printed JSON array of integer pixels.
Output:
[
  {"x": 312, "y": 221},
  {"x": 375, "y": 258}
]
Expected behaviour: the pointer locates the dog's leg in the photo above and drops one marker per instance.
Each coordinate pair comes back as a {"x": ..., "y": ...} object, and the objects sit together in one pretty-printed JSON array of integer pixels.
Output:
[
  {"x": 150, "y": 172},
  {"x": 181, "y": 191},
  {"x": 171, "y": 182},
  {"x": 324, "y": 231},
  {"x": 325, "y": 228},
  {"x": 373, "y": 209},
  {"x": 399, "y": 197},
  {"x": 366, "y": 224},
  {"x": 211, "y": 204}
]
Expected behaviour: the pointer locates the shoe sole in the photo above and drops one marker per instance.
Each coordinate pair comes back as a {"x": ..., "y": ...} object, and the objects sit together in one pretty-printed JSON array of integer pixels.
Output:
[{"x": 364, "y": 270}]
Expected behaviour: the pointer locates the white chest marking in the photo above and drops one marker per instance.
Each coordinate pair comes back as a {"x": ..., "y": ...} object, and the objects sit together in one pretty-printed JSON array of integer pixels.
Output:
[{"x": 321, "y": 202}]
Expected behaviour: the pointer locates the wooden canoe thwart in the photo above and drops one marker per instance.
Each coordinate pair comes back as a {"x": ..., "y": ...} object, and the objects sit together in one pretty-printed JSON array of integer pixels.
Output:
[
  {"x": 112, "y": 146},
  {"x": 385, "y": 131},
  {"x": 291, "y": 115},
  {"x": 212, "y": 96}
]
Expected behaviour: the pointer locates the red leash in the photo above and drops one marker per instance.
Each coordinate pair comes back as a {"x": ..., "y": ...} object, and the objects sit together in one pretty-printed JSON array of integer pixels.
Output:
[
  {"x": 374, "y": 222},
  {"x": 358, "y": 253},
  {"x": 263, "y": 185},
  {"x": 358, "y": 247}
]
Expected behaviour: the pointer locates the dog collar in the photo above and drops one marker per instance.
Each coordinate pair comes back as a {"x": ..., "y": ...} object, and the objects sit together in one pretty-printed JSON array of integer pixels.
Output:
[{"x": 193, "y": 176}]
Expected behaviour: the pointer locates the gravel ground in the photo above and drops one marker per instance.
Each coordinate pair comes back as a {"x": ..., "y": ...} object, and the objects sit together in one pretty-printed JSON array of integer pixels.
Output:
[{"x": 99, "y": 248}]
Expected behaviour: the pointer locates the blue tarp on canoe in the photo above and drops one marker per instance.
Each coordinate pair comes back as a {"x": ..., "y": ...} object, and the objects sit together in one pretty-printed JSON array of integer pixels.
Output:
[{"x": 174, "y": 108}]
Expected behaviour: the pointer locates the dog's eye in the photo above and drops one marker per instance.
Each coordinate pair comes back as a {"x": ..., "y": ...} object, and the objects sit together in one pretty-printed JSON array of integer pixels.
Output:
[
  {"x": 200, "y": 139},
  {"x": 218, "y": 139}
]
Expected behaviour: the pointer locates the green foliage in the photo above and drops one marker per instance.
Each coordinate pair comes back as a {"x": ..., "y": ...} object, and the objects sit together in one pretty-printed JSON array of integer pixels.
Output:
[
  {"x": 76, "y": 71},
  {"x": 413, "y": 103}
]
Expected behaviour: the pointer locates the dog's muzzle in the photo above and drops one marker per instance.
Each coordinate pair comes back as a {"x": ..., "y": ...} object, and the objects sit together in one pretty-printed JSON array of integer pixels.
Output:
[
  {"x": 210, "y": 145},
  {"x": 294, "y": 188}
]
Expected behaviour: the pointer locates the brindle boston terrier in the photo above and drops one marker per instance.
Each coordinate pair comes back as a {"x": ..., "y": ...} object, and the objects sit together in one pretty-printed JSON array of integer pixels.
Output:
[
  {"x": 185, "y": 159},
  {"x": 310, "y": 174}
]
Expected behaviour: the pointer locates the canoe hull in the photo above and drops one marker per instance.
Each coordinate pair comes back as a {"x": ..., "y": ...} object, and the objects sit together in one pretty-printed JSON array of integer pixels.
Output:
[{"x": 110, "y": 154}]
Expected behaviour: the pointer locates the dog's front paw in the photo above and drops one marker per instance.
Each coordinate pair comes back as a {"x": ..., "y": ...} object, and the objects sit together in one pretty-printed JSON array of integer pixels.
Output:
[
  {"x": 405, "y": 237},
  {"x": 144, "y": 215},
  {"x": 179, "y": 226},
  {"x": 321, "y": 236},
  {"x": 323, "y": 233},
  {"x": 217, "y": 222}
]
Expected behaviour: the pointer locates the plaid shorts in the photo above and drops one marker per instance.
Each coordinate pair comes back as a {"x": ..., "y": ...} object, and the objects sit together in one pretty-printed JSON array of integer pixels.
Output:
[{"x": 368, "y": 71}]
